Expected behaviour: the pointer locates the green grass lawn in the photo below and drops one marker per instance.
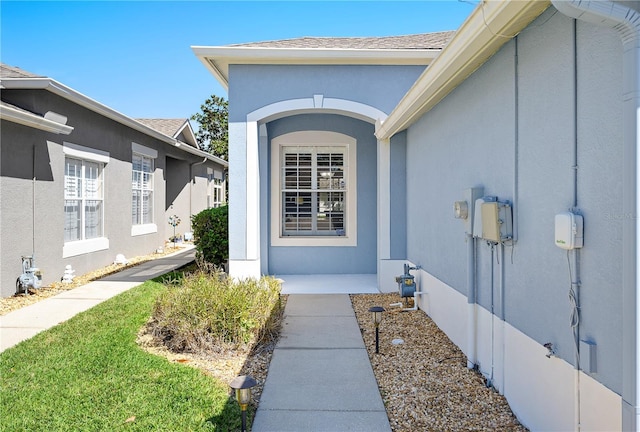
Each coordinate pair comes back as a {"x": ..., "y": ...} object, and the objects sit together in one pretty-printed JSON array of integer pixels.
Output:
[{"x": 88, "y": 374}]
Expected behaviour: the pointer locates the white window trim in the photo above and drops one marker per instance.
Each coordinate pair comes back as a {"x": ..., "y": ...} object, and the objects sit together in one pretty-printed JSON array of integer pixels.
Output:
[
  {"x": 143, "y": 229},
  {"x": 81, "y": 247},
  {"x": 314, "y": 138},
  {"x": 138, "y": 230},
  {"x": 145, "y": 151},
  {"x": 86, "y": 153}
]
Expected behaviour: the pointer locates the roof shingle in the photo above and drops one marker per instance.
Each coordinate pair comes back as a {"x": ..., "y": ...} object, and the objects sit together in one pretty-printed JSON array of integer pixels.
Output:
[
  {"x": 416, "y": 41},
  {"x": 7, "y": 71}
]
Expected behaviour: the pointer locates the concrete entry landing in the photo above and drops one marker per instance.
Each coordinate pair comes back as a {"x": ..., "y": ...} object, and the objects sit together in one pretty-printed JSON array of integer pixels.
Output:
[{"x": 330, "y": 284}]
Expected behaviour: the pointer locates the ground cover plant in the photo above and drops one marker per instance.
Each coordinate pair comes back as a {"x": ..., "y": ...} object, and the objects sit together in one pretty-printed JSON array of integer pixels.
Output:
[
  {"x": 208, "y": 311},
  {"x": 88, "y": 374}
]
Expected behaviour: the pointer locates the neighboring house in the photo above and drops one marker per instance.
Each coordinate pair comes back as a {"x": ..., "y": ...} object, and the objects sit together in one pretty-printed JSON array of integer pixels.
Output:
[
  {"x": 347, "y": 156},
  {"x": 81, "y": 183}
]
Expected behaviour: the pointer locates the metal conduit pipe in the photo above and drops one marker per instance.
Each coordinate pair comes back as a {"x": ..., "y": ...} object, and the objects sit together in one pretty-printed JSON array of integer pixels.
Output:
[
  {"x": 472, "y": 318},
  {"x": 626, "y": 22}
]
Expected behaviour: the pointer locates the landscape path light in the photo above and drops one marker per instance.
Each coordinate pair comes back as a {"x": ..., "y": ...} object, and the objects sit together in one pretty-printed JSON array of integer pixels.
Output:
[
  {"x": 376, "y": 314},
  {"x": 243, "y": 385}
]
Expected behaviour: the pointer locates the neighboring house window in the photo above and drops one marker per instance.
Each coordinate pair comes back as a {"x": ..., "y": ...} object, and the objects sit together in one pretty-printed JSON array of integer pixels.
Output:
[
  {"x": 216, "y": 189},
  {"x": 315, "y": 186},
  {"x": 83, "y": 200},
  {"x": 84, "y": 204},
  {"x": 142, "y": 189}
]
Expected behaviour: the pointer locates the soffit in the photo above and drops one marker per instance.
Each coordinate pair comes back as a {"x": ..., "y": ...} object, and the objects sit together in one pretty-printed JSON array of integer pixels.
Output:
[{"x": 393, "y": 50}]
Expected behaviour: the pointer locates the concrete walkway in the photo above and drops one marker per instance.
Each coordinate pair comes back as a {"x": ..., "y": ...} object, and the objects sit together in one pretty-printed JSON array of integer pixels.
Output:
[
  {"x": 320, "y": 377},
  {"x": 30, "y": 320}
]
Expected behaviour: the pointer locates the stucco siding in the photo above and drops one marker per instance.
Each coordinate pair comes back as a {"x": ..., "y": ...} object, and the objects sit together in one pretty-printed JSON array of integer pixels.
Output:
[
  {"x": 510, "y": 129},
  {"x": 32, "y": 213},
  {"x": 318, "y": 260},
  {"x": 255, "y": 86}
]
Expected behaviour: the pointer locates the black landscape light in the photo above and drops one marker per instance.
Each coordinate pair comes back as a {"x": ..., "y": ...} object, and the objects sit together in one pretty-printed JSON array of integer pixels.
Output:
[
  {"x": 376, "y": 312},
  {"x": 243, "y": 385}
]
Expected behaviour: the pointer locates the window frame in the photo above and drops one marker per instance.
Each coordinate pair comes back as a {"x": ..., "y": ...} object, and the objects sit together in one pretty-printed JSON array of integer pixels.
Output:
[
  {"x": 151, "y": 154},
  {"x": 216, "y": 196},
  {"x": 85, "y": 155},
  {"x": 315, "y": 140}
]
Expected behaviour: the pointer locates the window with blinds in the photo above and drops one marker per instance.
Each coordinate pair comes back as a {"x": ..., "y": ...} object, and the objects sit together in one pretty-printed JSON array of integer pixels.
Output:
[
  {"x": 142, "y": 190},
  {"x": 313, "y": 187},
  {"x": 83, "y": 200}
]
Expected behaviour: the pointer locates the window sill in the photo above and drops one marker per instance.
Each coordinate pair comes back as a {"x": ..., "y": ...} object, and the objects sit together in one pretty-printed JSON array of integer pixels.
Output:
[
  {"x": 82, "y": 247},
  {"x": 328, "y": 241},
  {"x": 137, "y": 230}
]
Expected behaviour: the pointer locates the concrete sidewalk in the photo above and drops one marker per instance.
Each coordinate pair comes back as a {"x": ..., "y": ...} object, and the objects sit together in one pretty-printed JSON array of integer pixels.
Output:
[
  {"x": 320, "y": 377},
  {"x": 30, "y": 320}
]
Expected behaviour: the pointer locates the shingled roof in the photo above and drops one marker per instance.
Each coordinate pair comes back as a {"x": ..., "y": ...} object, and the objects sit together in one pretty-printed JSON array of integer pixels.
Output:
[
  {"x": 169, "y": 127},
  {"x": 416, "y": 41},
  {"x": 7, "y": 71}
]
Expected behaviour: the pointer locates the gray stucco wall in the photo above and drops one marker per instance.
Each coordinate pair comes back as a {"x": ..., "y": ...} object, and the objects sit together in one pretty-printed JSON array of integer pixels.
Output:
[
  {"x": 255, "y": 86},
  {"x": 25, "y": 229},
  {"x": 360, "y": 259},
  {"x": 511, "y": 130},
  {"x": 398, "y": 193}
]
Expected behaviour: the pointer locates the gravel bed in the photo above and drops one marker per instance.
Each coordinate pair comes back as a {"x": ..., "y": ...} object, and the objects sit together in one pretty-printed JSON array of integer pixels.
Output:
[{"x": 424, "y": 382}]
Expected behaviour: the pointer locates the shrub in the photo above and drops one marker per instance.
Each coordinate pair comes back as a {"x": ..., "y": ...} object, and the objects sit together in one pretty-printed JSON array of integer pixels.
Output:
[
  {"x": 211, "y": 234},
  {"x": 208, "y": 313}
]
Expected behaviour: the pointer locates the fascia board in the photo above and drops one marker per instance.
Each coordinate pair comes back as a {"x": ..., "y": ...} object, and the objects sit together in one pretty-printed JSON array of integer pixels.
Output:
[
  {"x": 32, "y": 120},
  {"x": 95, "y": 106},
  {"x": 190, "y": 149},
  {"x": 217, "y": 59},
  {"x": 488, "y": 28}
]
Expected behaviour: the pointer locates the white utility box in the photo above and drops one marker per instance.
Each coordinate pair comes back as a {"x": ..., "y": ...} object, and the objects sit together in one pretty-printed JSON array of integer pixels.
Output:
[{"x": 569, "y": 231}]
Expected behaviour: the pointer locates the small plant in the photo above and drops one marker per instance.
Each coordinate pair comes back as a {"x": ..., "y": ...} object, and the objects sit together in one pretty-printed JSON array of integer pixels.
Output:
[
  {"x": 205, "y": 313},
  {"x": 174, "y": 221},
  {"x": 211, "y": 234}
]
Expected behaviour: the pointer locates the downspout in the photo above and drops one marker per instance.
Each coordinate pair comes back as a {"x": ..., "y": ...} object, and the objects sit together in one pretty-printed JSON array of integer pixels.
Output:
[
  {"x": 626, "y": 22},
  {"x": 192, "y": 180}
]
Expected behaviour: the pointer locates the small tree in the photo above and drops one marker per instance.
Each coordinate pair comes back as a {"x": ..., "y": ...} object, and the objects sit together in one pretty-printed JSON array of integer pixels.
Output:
[
  {"x": 213, "y": 132},
  {"x": 211, "y": 234}
]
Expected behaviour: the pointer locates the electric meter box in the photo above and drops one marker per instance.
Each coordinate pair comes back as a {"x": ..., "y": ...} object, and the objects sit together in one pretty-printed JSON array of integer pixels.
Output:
[
  {"x": 569, "y": 231},
  {"x": 493, "y": 221}
]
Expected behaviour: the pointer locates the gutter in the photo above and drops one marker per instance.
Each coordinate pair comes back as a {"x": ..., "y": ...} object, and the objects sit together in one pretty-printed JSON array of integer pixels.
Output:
[
  {"x": 489, "y": 27},
  {"x": 68, "y": 93},
  {"x": 626, "y": 22},
  {"x": 29, "y": 119}
]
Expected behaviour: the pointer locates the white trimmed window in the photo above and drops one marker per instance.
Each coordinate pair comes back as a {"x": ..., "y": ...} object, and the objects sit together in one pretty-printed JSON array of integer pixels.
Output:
[
  {"x": 216, "y": 189},
  {"x": 142, "y": 189},
  {"x": 314, "y": 189},
  {"x": 83, "y": 200}
]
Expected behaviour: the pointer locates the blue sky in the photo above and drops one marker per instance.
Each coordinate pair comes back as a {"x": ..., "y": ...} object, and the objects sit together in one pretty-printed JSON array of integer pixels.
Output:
[{"x": 135, "y": 56}]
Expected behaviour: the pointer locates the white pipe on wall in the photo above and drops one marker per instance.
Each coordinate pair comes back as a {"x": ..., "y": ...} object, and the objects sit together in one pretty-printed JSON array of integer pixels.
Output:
[
  {"x": 472, "y": 318},
  {"x": 626, "y": 22}
]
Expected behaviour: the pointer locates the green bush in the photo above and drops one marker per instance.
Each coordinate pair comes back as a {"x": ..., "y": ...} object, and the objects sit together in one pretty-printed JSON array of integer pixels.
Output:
[
  {"x": 211, "y": 234},
  {"x": 205, "y": 312}
]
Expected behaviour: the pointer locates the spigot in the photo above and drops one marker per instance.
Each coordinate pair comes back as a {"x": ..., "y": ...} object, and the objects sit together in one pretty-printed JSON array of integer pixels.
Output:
[{"x": 550, "y": 351}]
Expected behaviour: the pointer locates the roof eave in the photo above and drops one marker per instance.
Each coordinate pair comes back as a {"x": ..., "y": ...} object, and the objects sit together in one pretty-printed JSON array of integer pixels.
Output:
[
  {"x": 485, "y": 31},
  {"x": 33, "y": 120},
  {"x": 218, "y": 58},
  {"x": 95, "y": 106}
]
